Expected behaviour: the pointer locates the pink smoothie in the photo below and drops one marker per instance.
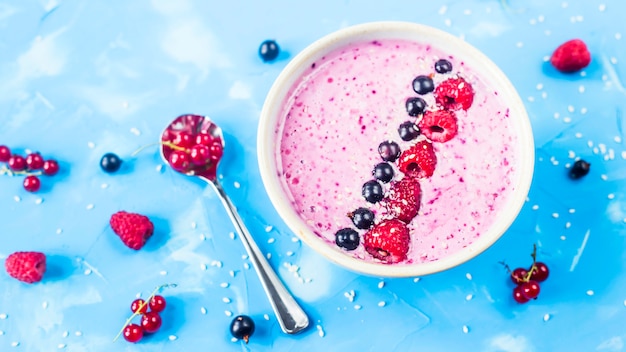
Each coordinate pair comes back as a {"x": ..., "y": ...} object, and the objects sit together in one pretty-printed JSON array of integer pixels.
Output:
[{"x": 351, "y": 100}]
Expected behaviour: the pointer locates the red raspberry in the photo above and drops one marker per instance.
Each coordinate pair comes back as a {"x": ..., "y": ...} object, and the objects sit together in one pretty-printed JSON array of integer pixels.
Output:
[
  {"x": 388, "y": 241},
  {"x": 27, "y": 267},
  {"x": 134, "y": 229},
  {"x": 419, "y": 160},
  {"x": 439, "y": 125},
  {"x": 571, "y": 56},
  {"x": 454, "y": 94},
  {"x": 403, "y": 199}
]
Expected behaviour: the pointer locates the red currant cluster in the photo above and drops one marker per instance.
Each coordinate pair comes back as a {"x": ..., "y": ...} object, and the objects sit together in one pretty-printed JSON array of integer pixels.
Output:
[
  {"x": 32, "y": 166},
  {"x": 150, "y": 318},
  {"x": 527, "y": 280}
]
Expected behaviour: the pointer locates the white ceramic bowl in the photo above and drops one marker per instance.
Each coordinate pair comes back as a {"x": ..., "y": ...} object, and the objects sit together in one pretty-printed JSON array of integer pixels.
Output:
[{"x": 480, "y": 64}]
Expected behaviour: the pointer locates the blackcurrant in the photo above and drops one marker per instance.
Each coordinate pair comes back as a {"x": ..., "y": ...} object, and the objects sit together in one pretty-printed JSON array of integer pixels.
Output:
[
  {"x": 269, "y": 50},
  {"x": 389, "y": 150},
  {"x": 408, "y": 131},
  {"x": 579, "y": 169},
  {"x": 347, "y": 238},
  {"x": 443, "y": 66},
  {"x": 372, "y": 191},
  {"x": 415, "y": 106},
  {"x": 110, "y": 162},
  {"x": 423, "y": 85},
  {"x": 362, "y": 218},
  {"x": 383, "y": 172},
  {"x": 242, "y": 327}
]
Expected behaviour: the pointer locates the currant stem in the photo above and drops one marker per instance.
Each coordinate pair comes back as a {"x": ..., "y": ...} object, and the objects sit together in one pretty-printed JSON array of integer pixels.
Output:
[
  {"x": 168, "y": 144},
  {"x": 533, "y": 267},
  {"x": 141, "y": 307},
  {"x": 9, "y": 172}
]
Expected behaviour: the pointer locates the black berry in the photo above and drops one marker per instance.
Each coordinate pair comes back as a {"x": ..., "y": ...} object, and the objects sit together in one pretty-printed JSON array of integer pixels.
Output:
[
  {"x": 389, "y": 151},
  {"x": 362, "y": 218},
  {"x": 242, "y": 327},
  {"x": 423, "y": 85},
  {"x": 110, "y": 162},
  {"x": 347, "y": 238},
  {"x": 269, "y": 50},
  {"x": 579, "y": 169},
  {"x": 383, "y": 172},
  {"x": 372, "y": 191},
  {"x": 443, "y": 66},
  {"x": 408, "y": 131},
  {"x": 415, "y": 106}
]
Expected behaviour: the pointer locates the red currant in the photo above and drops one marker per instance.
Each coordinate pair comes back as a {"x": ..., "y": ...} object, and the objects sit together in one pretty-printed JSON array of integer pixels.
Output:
[
  {"x": 199, "y": 154},
  {"x": 151, "y": 322},
  {"x": 530, "y": 289},
  {"x": 540, "y": 272},
  {"x": 180, "y": 160},
  {"x": 519, "y": 275},
  {"x": 133, "y": 333},
  {"x": 5, "y": 153},
  {"x": 204, "y": 138},
  {"x": 17, "y": 163},
  {"x": 32, "y": 183},
  {"x": 216, "y": 151},
  {"x": 34, "y": 161},
  {"x": 184, "y": 139},
  {"x": 518, "y": 295},
  {"x": 50, "y": 167},
  {"x": 157, "y": 303},
  {"x": 136, "y": 306}
]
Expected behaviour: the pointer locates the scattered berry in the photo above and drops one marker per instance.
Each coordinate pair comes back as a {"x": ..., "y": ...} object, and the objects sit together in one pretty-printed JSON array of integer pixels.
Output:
[
  {"x": 110, "y": 163},
  {"x": 443, "y": 66},
  {"x": 423, "y": 85},
  {"x": 579, "y": 169},
  {"x": 383, "y": 172},
  {"x": 519, "y": 275},
  {"x": 28, "y": 267},
  {"x": 157, "y": 303},
  {"x": 415, "y": 106},
  {"x": 540, "y": 272},
  {"x": 439, "y": 125},
  {"x": 50, "y": 167},
  {"x": 17, "y": 162},
  {"x": 518, "y": 295},
  {"x": 347, "y": 238},
  {"x": 151, "y": 322},
  {"x": 388, "y": 241},
  {"x": 268, "y": 51},
  {"x": 419, "y": 160},
  {"x": 362, "y": 218},
  {"x": 571, "y": 56},
  {"x": 372, "y": 191},
  {"x": 5, "y": 153},
  {"x": 133, "y": 333},
  {"x": 139, "y": 306},
  {"x": 530, "y": 289},
  {"x": 34, "y": 161},
  {"x": 408, "y": 131},
  {"x": 242, "y": 327},
  {"x": 133, "y": 229},
  {"x": 32, "y": 183},
  {"x": 403, "y": 199},
  {"x": 527, "y": 281},
  {"x": 454, "y": 94},
  {"x": 389, "y": 150}
]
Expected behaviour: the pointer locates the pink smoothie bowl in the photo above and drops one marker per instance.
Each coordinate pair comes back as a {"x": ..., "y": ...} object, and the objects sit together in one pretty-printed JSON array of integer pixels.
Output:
[{"x": 499, "y": 220}]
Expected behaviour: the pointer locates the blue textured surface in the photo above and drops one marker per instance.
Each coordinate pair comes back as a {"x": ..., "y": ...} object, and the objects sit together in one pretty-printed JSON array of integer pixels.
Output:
[{"x": 81, "y": 79}]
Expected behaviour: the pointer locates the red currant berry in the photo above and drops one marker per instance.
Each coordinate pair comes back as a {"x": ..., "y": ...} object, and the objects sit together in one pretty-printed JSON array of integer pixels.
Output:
[
  {"x": 133, "y": 333},
  {"x": 216, "y": 151},
  {"x": 157, "y": 303},
  {"x": 136, "y": 306},
  {"x": 5, "y": 153},
  {"x": 151, "y": 322},
  {"x": 17, "y": 163},
  {"x": 34, "y": 161},
  {"x": 32, "y": 183},
  {"x": 519, "y": 275},
  {"x": 184, "y": 139},
  {"x": 180, "y": 160},
  {"x": 540, "y": 272},
  {"x": 204, "y": 138},
  {"x": 50, "y": 167},
  {"x": 199, "y": 154},
  {"x": 518, "y": 296},
  {"x": 530, "y": 289}
]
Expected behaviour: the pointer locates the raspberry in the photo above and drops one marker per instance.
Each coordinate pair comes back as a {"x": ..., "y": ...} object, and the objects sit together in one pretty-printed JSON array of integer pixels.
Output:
[
  {"x": 134, "y": 229},
  {"x": 571, "y": 56},
  {"x": 454, "y": 94},
  {"x": 27, "y": 267},
  {"x": 419, "y": 160},
  {"x": 403, "y": 199},
  {"x": 388, "y": 241},
  {"x": 439, "y": 125}
]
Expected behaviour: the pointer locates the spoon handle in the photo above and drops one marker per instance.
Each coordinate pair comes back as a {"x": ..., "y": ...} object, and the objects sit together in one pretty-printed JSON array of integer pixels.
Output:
[{"x": 291, "y": 317}]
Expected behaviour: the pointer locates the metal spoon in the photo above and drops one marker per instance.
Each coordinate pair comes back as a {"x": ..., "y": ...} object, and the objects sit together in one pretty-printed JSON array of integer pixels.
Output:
[{"x": 291, "y": 317}]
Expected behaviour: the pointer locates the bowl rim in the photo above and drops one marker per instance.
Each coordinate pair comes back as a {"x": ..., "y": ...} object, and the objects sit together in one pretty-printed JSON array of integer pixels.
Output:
[{"x": 401, "y": 30}]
